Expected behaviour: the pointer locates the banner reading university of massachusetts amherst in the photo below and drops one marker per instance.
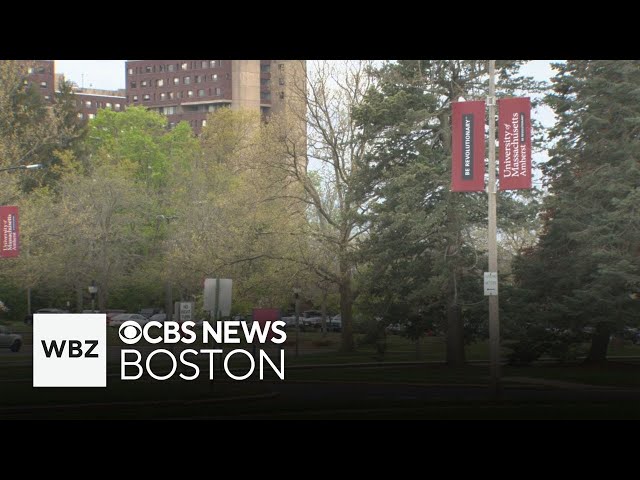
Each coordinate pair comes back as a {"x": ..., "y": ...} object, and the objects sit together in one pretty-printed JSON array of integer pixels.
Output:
[
  {"x": 9, "y": 246},
  {"x": 467, "y": 150},
  {"x": 514, "y": 133}
]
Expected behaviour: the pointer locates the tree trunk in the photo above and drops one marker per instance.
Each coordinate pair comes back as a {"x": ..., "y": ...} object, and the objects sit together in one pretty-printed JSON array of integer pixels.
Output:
[
  {"x": 324, "y": 313},
  {"x": 79, "y": 298},
  {"x": 346, "y": 308},
  {"x": 455, "y": 337},
  {"x": 599, "y": 344}
]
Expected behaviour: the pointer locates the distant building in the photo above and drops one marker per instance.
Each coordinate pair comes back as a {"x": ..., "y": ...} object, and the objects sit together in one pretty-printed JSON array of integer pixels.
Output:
[
  {"x": 89, "y": 100},
  {"x": 188, "y": 90},
  {"x": 41, "y": 74}
]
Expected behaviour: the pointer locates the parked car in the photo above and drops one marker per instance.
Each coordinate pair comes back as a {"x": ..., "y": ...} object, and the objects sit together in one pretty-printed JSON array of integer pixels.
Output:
[
  {"x": 12, "y": 341},
  {"x": 311, "y": 319},
  {"x": 158, "y": 317},
  {"x": 335, "y": 324},
  {"x": 125, "y": 317}
]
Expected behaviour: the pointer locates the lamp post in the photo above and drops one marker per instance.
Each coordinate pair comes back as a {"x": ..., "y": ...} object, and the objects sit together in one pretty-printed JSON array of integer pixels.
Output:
[
  {"x": 34, "y": 166},
  {"x": 296, "y": 295},
  {"x": 93, "y": 289}
]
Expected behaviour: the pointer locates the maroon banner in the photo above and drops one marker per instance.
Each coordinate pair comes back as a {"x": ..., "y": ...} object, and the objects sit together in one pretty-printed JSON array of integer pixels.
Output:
[
  {"x": 514, "y": 133},
  {"x": 467, "y": 149},
  {"x": 9, "y": 238}
]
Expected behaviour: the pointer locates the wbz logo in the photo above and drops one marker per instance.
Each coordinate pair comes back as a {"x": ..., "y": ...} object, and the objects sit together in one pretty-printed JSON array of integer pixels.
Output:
[{"x": 69, "y": 350}]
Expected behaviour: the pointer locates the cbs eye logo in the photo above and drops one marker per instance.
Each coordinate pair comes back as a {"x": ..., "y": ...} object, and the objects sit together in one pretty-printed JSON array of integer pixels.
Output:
[{"x": 130, "y": 332}]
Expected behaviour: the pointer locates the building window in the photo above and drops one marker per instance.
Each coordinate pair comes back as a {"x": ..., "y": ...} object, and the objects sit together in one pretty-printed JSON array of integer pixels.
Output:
[
  {"x": 176, "y": 80},
  {"x": 109, "y": 105},
  {"x": 163, "y": 96},
  {"x": 281, "y": 81},
  {"x": 265, "y": 96},
  {"x": 135, "y": 98},
  {"x": 190, "y": 93},
  {"x": 47, "y": 97},
  {"x": 43, "y": 84},
  {"x": 170, "y": 94},
  {"x": 148, "y": 69},
  {"x": 81, "y": 116},
  {"x": 146, "y": 97},
  {"x": 281, "y": 67},
  {"x": 265, "y": 68},
  {"x": 133, "y": 85},
  {"x": 214, "y": 77},
  {"x": 168, "y": 110},
  {"x": 117, "y": 108},
  {"x": 213, "y": 63},
  {"x": 160, "y": 82},
  {"x": 161, "y": 68},
  {"x": 87, "y": 104},
  {"x": 218, "y": 91},
  {"x": 186, "y": 80},
  {"x": 184, "y": 66},
  {"x": 281, "y": 95},
  {"x": 180, "y": 94},
  {"x": 91, "y": 116},
  {"x": 198, "y": 78},
  {"x": 30, "y": 70},
  {"x": 201, "y": 93},
  {"x": 205, "y": 64},
  {"x": 171, "y": 67},
  {"x": 204, "y": 124},
  {"x": 131, "y": 71},
  {"x": 144, "y": 83}
]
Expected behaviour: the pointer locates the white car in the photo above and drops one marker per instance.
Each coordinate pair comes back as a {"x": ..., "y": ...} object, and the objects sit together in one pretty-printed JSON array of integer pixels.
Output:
[
  {"x": 125, "y": 317},
  {"x": 12, "y": 341}
]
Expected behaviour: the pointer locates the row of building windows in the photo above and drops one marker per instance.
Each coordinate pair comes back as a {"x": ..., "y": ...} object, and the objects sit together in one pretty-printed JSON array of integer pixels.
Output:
[
  {"x": 174, "y": 67},
  {"x": 160, "y": 82},
  {"x": 97, "y": 104},
  {"x": 217, "y": 92},
  {"x": 32, "y": 70},
  {"x": 90, "y": 116},
  {"x": 193, "y": 123}
]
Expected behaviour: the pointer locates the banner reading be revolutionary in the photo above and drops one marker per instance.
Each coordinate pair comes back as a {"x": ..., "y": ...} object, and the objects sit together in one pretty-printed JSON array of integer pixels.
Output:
[
  {"x": 9, "y": 246},
  {"x": 514, "y": 133},
  {"x": 467, "y": 149}
]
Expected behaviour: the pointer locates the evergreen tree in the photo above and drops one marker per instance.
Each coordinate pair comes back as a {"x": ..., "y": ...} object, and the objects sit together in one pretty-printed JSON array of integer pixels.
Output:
[
  {"x": 424, "y": 258},
  {"x": 588, "y": 260}
]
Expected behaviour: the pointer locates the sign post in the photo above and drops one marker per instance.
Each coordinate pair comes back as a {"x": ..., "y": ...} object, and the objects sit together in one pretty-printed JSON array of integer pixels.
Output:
[{"x": 494, "y": 319}]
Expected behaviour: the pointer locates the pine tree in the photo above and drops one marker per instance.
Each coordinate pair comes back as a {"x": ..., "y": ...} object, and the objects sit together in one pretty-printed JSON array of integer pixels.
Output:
[{"x": 588, "y": 259}]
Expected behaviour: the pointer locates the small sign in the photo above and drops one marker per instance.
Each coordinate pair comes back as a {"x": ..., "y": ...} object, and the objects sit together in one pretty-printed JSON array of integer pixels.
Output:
[
  {"x": 186, "y": 311},
  {"x": 490, "y": 283}
]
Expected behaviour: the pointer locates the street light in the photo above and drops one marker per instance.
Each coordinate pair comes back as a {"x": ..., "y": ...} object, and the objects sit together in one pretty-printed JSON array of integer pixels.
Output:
[
  {"x": 34, "y": 166},
  {"x": 296, "y": 295},
  {"x": 93, "y": 289}
]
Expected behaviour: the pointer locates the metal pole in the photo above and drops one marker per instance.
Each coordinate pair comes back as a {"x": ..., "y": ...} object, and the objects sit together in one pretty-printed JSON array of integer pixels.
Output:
[
  {"x": 494, "y": 320},
  {"x": 297, "y": 321}
]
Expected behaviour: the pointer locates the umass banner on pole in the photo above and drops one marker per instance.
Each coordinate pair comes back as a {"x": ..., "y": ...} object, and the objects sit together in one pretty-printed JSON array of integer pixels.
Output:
[
  {"x": 9, "y": 246},
  {"x": 467, "y": 149},
  {"x": 514, "y": 133}
]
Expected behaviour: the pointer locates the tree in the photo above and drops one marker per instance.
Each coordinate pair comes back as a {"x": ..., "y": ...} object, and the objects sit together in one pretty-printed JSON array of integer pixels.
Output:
[
  {"x": 323, "y": 176},
  {"x": 588, "y": 258},
  {"x": 422, "y": 253}
]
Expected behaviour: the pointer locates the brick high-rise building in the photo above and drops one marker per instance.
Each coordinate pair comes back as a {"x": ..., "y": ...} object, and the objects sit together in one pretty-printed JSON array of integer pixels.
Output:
[
  {"x": 41, "y": 74},
  {"x": 190, "y": 89}
]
